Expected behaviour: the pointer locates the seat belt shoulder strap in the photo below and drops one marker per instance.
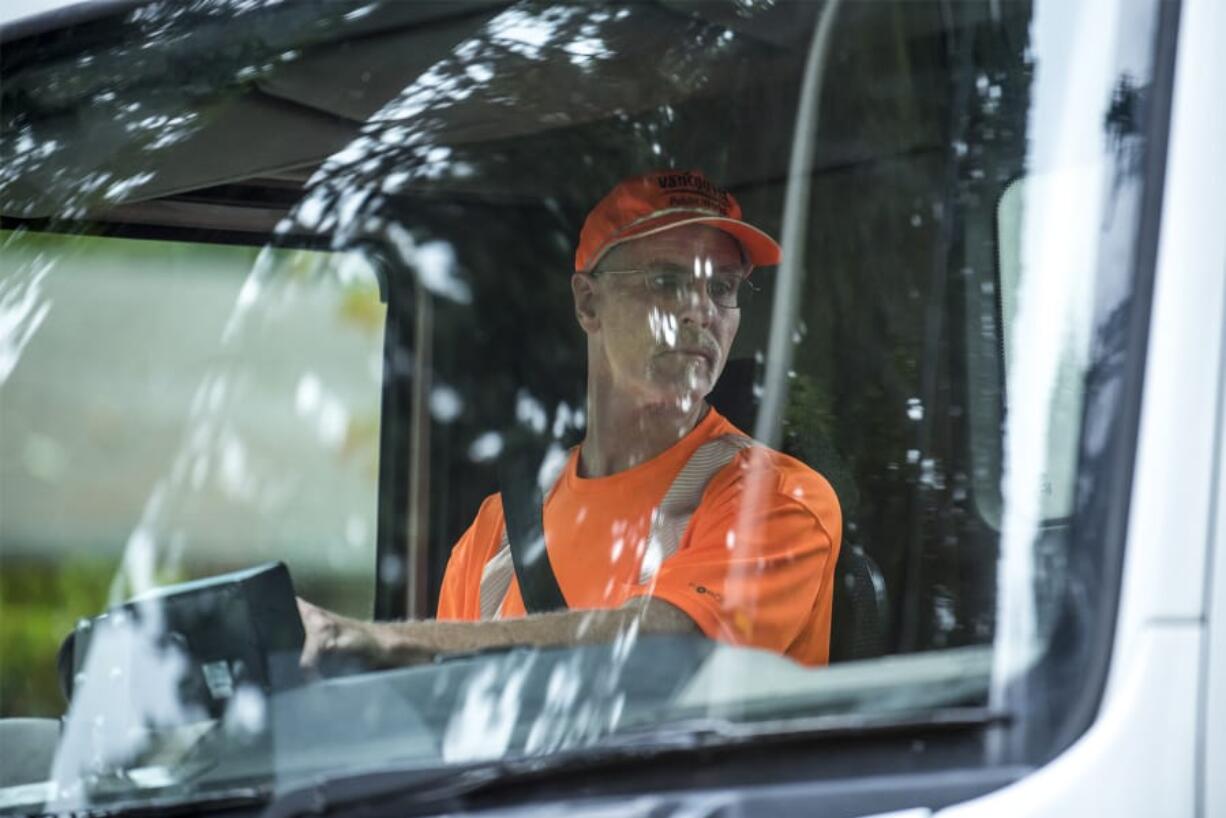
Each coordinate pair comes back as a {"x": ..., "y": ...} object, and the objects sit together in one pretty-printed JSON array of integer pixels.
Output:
[
  {"x": 523, "y": 515},
  {"x": 524, "y": 546}
]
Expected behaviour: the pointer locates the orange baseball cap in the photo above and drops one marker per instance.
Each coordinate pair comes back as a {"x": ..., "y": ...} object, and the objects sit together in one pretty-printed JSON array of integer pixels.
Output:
[{"x": 659, "y": 201}]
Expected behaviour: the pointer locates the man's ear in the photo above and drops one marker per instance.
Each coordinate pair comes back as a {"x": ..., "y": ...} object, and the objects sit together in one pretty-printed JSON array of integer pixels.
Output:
[{"x": 583, "y": 288}]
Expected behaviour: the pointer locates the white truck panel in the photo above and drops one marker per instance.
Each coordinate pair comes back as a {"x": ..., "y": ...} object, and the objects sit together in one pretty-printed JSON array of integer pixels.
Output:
[
  {"x": 1172, "y": 482},
  {"x": 1138, "y": 759}
]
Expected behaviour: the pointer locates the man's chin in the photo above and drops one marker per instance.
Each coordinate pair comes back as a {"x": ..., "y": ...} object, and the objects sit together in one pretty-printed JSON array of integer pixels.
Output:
[
  {"x": 675, "y": 404},
  {"x": 682, "y": 397}
]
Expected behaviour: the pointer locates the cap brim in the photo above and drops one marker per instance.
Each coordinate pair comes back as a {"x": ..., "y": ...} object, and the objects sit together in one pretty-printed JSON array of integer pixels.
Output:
[{"x": 761, "y": 249}]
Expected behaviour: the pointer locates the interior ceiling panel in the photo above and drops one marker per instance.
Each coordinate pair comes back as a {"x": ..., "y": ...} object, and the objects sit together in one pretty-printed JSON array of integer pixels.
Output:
[
  {"x": 240, "y": 137},
  {"x": 781, "y": 25},
  {"x": 254, "y": 135},
  {"x": 519, "y": 73},
  {"x": 393, "y": 75},
  {"x": 518, "y": 78},
  {"x": 355, "y": 79}
]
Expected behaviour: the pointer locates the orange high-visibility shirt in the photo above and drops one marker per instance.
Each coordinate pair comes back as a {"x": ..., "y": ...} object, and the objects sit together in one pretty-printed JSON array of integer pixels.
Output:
[{"x": 754, "y": 567}]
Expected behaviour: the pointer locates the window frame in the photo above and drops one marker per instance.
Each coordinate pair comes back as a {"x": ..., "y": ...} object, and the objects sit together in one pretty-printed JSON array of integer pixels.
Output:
[{"x": 927, "y": 775}]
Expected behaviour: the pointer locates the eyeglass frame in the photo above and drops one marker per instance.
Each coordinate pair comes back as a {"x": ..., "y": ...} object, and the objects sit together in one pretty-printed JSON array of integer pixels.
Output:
[{"x": 743, "y": 283}]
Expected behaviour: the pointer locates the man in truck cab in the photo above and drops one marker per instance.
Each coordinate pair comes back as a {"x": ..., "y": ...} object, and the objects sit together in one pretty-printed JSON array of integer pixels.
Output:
[{"x": 666, "y": 518}]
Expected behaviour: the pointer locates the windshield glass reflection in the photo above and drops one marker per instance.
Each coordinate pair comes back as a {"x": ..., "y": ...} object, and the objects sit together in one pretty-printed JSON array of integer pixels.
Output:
[{"x": 332, "y": 287}]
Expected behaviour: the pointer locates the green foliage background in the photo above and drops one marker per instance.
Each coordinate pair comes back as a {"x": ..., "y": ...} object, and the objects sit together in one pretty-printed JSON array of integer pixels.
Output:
[{"x": 40, "y": 602}]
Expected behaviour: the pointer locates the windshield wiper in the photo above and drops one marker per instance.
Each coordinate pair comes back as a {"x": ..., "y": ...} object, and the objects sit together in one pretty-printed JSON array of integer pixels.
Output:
[
  {"x": 704, "y": 732},
  {"x": 245, "y": 798},
  {"x": 436, "y": 788}
]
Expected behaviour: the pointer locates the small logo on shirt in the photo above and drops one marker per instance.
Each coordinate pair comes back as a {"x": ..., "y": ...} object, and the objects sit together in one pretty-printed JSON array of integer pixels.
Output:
[{"x": 702, "y": 589}]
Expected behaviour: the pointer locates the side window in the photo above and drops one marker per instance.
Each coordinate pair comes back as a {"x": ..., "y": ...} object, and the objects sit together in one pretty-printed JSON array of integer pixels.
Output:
[
  {"x": 1062, "y": 338},
  {"x": 898, "y": 384},
  {"x": 181, "y": 410}
]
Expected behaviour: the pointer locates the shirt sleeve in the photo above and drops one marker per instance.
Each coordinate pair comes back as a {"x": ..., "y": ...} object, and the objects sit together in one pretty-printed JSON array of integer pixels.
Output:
[
  {"x": 459, "y": 597},
  {"x": 757, "y": 560}
]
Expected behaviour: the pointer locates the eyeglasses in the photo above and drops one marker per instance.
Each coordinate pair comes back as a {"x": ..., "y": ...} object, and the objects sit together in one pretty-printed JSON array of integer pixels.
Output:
[{"x": 728, "y": 291}]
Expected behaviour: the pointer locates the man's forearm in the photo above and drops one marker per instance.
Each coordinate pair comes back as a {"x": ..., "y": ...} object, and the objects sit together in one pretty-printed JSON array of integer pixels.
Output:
[{"x": 407, "y": 642}]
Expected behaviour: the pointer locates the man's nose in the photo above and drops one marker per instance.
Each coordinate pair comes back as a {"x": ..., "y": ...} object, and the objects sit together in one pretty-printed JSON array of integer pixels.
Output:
[{"x": 696, "y": 306}]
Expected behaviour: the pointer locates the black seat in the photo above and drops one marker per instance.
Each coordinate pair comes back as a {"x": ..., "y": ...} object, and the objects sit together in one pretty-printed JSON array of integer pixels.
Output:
[
  {"x": 860, "y": 609},
  {"x": 860, "y": 606}
]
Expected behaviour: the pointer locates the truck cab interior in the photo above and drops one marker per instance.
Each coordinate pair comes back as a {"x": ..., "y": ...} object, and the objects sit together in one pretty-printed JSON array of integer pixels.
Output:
[
  {"x": 427, "y": 115},
  {"x": 335, "y": 242}
]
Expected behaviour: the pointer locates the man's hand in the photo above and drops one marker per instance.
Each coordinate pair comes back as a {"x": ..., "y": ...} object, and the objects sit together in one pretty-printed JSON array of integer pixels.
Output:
[{"x": 334, "y": 642}]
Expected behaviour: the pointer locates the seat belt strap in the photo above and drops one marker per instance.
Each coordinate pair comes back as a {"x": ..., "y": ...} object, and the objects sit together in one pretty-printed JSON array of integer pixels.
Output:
[
  {"x": 522, "y": 552},
  {"x": 523, "y": 514}
]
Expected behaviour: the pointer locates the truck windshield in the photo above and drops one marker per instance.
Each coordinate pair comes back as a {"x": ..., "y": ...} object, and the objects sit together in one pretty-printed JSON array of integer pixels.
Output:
[{"x": 331, "y": 285}]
